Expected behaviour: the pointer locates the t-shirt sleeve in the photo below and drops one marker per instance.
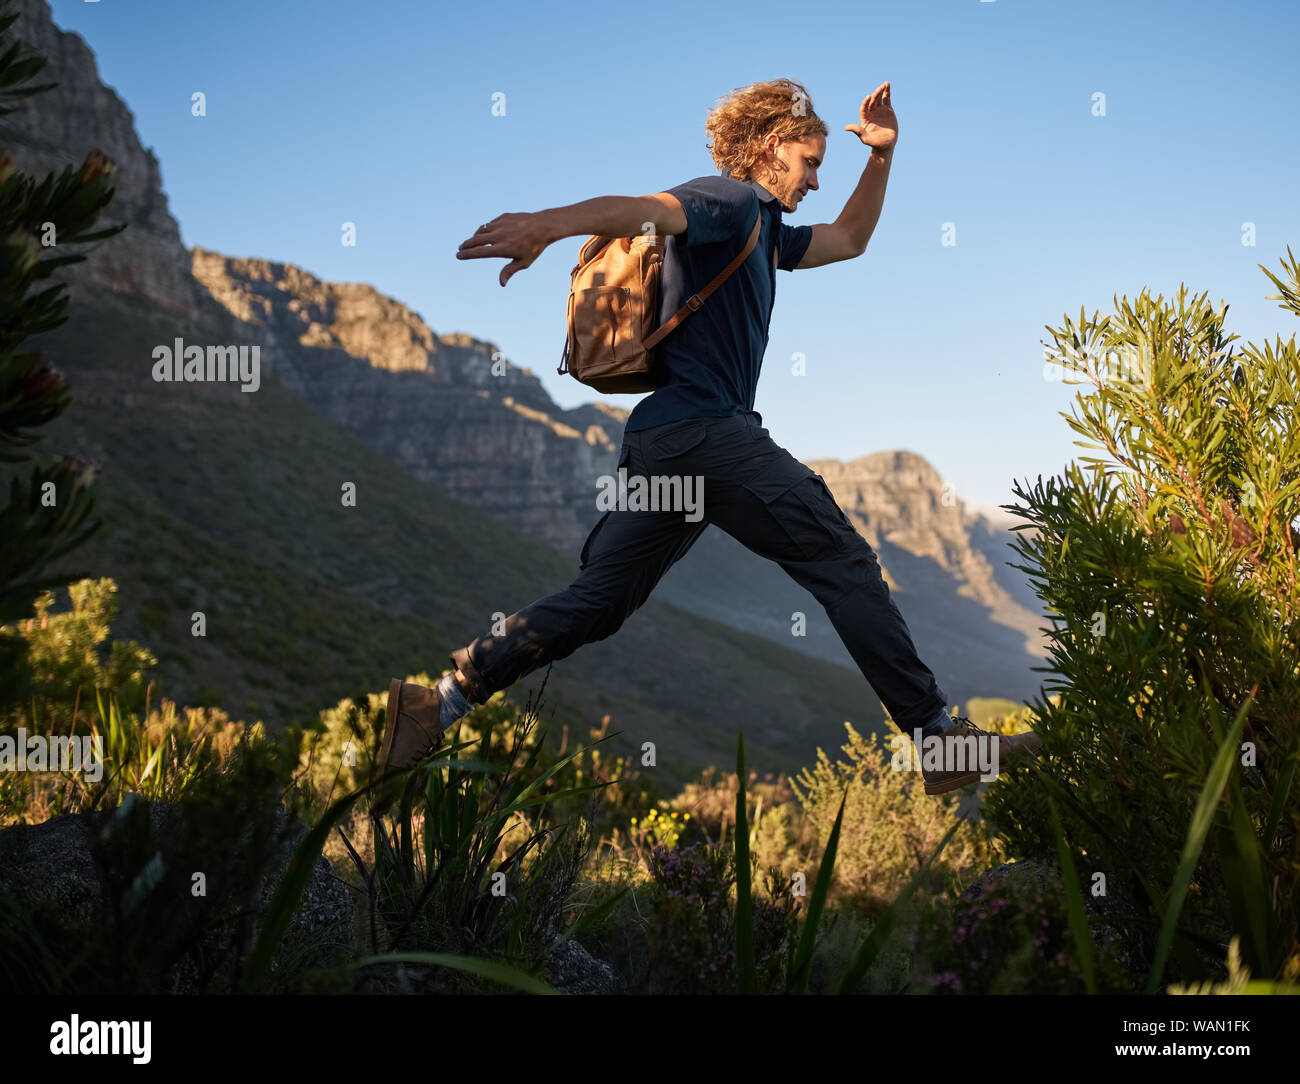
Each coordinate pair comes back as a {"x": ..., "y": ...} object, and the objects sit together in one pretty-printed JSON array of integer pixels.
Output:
[
  {"x": 716, "y": 208},
  {"x": 792, "y": 246}
]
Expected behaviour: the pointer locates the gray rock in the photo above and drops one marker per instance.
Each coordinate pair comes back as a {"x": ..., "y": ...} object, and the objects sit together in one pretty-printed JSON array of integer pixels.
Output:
[
  {"x": 574, "y": 970},
  {"x": 51, "y": 868}
]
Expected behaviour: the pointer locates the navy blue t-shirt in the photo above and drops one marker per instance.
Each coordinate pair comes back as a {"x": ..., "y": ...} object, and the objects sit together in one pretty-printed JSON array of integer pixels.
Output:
[{"x": 712, "y": 359}]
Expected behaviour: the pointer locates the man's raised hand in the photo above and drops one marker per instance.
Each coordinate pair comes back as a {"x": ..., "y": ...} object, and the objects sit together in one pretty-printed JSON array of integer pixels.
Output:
[
  {"x": 519, "y": 237},
  {"x": 879, "y": 127}
]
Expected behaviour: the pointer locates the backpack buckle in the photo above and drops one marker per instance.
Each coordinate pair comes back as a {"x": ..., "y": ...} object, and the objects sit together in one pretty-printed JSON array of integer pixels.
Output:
[{"x": 694, "y": 302}]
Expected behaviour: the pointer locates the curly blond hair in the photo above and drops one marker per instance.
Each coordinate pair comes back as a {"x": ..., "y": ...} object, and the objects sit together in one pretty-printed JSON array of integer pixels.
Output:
[{"x": 741, "y": 121}]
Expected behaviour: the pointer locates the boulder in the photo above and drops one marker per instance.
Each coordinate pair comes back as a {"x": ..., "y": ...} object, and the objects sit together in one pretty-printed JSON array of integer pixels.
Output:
[{"x": 85, "y": 878}]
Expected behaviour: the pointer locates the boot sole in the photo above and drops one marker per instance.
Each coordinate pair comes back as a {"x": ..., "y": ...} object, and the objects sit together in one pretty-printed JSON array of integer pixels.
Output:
[
  {"x": 952, "y": 784},
  {"x": 394, "y": 696},
  {"x": 966, "y": 780}
]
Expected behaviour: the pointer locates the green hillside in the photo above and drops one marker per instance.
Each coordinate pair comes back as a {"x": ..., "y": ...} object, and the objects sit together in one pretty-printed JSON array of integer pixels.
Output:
[{"x": 227, "y": 502}]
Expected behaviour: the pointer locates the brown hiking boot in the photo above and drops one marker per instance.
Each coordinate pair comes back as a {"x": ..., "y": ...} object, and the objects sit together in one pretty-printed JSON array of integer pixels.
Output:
[
  {"x": 970, "y": 753},
  {"x": 412, "y": 731}
]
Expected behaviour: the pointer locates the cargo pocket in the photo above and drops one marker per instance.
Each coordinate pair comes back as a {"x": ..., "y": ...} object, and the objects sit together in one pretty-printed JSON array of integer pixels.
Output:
[
  {"x": 802, "y": 507},
  {"x": 676, "y": 439},
  {"x": 586, "y": 546},
  {"x": 840, "y": 518},
  {"x": 624, "y": 457}
]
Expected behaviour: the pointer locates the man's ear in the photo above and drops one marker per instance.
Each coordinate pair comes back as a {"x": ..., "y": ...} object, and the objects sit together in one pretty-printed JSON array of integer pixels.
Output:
[{"x": 769, "y": 160}]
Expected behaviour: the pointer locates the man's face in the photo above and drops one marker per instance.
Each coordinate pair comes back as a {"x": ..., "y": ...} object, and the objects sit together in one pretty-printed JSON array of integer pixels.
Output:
[{"x": 796, "y": 167}]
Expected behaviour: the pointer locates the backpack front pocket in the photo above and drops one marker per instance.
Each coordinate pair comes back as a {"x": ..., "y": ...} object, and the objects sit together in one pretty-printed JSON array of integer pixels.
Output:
[{"x": 601, "y": 317}]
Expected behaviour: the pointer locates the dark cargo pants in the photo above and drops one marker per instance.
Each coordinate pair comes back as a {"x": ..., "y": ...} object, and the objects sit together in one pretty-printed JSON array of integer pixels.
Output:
[{"x": 767, "y": 500}]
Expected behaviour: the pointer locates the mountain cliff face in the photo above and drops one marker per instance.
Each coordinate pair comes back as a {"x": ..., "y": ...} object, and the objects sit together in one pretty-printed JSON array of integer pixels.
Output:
[
  {"x": 979, "y": 618},
  {"x": 57, "y": 128},
  {"x": 449, "y": 410},
  {"x": 898, "y": 498}
]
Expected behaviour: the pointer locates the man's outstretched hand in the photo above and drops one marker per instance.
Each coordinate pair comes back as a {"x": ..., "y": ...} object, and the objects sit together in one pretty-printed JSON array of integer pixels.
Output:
[
  {"x": 879, "y": 127},
  {"x": 521, "y": 237}
]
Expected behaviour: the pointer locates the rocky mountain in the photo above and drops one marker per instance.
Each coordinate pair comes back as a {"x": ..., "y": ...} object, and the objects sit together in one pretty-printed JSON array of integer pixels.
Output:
[
  {"x": 897, "y": 498},
  {"x": 448, "y": 408}
]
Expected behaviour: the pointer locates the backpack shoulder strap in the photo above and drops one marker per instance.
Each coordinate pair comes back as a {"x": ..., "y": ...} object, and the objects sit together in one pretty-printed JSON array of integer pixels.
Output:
[{"x": 697, "y": 299}]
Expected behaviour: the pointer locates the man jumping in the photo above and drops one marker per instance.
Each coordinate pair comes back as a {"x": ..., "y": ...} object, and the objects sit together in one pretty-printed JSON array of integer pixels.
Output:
[{"x": 768, "y": 144}]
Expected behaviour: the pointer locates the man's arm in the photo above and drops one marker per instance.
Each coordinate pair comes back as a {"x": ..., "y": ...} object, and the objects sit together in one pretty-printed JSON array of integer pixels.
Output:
[
  {"x": 616, "y": 216},
  {"x": 847, "y": 236},
  {"x": 523, "y": 237}
]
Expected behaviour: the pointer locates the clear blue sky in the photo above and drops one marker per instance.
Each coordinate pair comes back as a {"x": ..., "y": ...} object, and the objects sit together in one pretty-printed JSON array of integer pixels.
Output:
[{"x": 380, "y": 114}]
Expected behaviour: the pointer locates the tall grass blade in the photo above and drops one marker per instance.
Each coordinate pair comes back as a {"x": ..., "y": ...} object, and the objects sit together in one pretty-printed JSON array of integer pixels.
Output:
[
  {"x": 1280, "y": 796},
  {"x": 744, "y": 893},
  {"x": 289, "y": 892},
  {"x": 798, "y": 980},
  {"x": 488, "y": 969},
  {"x": 521, "y": 803},
  {"x": 590, "y": 918},
  {"x": 1202, "y": 817},
  {"x": 1078, "y": 915},
  {"x": 1246, "y": 885}
]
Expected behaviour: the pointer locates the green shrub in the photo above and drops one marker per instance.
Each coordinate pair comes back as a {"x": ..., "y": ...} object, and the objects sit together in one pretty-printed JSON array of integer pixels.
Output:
[
  {"x": 70, "y": 656},
  {"x": 890, "y": 826},
  {"x": 1170, "y": 568},
  {"x": 85, "y": 685}
]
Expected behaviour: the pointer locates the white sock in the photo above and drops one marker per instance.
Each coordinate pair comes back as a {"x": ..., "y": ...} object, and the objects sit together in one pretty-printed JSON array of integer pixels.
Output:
[{"x": 453, "y": 701}]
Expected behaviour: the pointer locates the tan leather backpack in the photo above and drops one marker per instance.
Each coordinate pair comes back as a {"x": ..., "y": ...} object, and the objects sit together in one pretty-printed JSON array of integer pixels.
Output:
[{"x": 614, "y": 305}]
